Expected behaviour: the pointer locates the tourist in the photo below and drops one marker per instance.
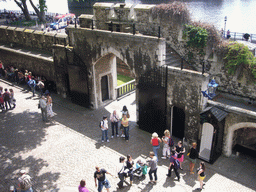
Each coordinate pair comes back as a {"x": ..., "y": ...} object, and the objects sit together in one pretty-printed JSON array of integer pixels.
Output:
[
  {"x": 155, "y": 141},
  {"x": 180, "y": 150},
  {"x": 152, "y": 163},
  {"x": 12, "y": 99},
  {"x": 114, "y": 118},
  {"x": 25, "y": 184},
  {"x": 49, "y": 104},
  {"x": 193, "y": 155},
  {"x": 166, "y": 147},
  {"x": 82, "y": 187},
  {"x": 32, "y": 85},
  {"x": 1, "y": 68},
  {"x": 104, "y": 128},
  {"x": 228, "y": 34},
  {"x": 173, "y": 165},
  {"x": 40, "y": 86},
  {"x": 120, "y": 169},
  {"x": 201, "y": 174},
  {"x": 6, "y": 97},
  {"x": 125, "y": 124},
  {"x": 100, "y": 174},
  {"x": 124, "y": 112},
  {"x": 43, "y": 107},
  {"x": 129, "y": 166},
  {"x": 1, "y": 102},
  {"x": 246, "y": 36}
]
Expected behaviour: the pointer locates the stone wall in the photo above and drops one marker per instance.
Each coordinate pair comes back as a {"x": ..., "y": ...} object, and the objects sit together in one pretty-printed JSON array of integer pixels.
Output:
[
  {"x": 38, "y": 65},
  {"x": 92, "y": 45},
  {"x": 29, "y": 38},
  {"x": 184, "y": 91},
  {"x": 241, "y": 83}
]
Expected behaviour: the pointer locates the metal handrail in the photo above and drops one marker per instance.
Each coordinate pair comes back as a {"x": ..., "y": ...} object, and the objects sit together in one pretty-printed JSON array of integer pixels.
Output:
[{"x": 125, "y": 88}]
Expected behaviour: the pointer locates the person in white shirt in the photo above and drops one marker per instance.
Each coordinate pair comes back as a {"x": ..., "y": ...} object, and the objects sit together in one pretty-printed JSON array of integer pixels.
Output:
[
  {"x": 104, "y": 128},
  {"x": 43, "y": 107},
  {"x": 114, "y": 118},
  {"x": 120, "y": 170}
]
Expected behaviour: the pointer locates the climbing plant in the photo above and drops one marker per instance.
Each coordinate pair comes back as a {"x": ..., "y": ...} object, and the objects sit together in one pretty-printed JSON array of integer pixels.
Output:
[
  {"x": 237, "y": 55},
  {"x": 197, "y": 37}
]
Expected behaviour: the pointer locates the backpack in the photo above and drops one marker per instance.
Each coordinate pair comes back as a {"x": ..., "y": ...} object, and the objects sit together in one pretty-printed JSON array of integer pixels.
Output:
[
  {"x": 102, "y": 123},
  {"x": 176, "y": 164},
  {"x": 171, "y": 143},
  {"x": 31, "y": 83},
  {"x": 26, "y": 183}
]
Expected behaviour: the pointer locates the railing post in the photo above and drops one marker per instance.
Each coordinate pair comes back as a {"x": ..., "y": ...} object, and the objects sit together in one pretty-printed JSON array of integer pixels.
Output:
[
  {"x": 75, "y": 23},
  {"x": 202, "y": 67},
  {"x": 133, "y": 28},
  {"x": 92, "y": 24},
  {"x": 181, "y": 67},
  {"x": 159, "y": 31},
  {"x": 111, "y": 24},
  {"x": 235, "y": 36}
]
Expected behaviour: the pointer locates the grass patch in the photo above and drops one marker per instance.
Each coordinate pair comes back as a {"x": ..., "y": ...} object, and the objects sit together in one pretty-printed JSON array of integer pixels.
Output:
[
  {"x": 24, "y": 23},
  {"x": 121, "y": 79}
]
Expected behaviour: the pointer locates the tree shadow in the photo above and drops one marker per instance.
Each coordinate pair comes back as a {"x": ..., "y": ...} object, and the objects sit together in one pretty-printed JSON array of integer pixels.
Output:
[{"x": 23, "y": 132}]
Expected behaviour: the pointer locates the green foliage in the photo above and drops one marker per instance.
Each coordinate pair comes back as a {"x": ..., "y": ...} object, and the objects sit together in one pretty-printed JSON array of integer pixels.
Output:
[
  {"x": 121, "y": 79},
  {"x": 197, "y": 37},
  {"x": 239, "y": 55},
  {"x": 42, "y": 6}
]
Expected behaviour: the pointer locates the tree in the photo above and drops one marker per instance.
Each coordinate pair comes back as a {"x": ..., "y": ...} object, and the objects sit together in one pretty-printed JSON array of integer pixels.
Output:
[
  {"x": 40, "y": 9},
  {"x": 23, "y": 5}
]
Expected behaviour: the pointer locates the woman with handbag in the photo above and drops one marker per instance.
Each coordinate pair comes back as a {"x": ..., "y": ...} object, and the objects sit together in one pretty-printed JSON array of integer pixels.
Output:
[{"x": 180, "y": 150}]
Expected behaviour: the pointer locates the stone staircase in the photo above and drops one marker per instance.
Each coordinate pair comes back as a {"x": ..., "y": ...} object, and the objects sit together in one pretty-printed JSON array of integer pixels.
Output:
[{"x": 172, "y": 58}]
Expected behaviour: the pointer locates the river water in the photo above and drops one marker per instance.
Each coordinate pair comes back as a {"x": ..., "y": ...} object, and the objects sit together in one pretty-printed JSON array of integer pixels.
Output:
[{"x": 241, "y": 14}]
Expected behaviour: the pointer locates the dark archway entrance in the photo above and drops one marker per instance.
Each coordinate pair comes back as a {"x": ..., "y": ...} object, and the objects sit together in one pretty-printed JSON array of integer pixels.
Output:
[
  {"x": 152, "y": 100},
  {"x": 178, "y": 122},
  {"x": 104, "y": 88}
]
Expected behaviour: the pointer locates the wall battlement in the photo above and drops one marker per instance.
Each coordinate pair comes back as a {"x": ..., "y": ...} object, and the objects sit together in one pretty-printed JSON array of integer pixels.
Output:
[{"x": 31, "y": 38}]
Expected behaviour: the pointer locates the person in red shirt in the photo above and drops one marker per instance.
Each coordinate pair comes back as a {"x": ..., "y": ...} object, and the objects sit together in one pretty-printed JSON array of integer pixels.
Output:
[{"x": 155, "y": 141}]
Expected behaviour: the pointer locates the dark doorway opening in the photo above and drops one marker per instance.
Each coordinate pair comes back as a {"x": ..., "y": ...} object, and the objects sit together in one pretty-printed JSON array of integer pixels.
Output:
[
  {"x": 104, "y": 88},
  {"x": 78, "y": 85},
  {"x": 178, "y": 122}
]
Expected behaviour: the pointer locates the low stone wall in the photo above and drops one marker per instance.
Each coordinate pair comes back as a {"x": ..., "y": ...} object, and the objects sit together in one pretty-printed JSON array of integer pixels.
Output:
[
  {"x": 38, "y": 65},
  {"x": 31, "y": 38}
]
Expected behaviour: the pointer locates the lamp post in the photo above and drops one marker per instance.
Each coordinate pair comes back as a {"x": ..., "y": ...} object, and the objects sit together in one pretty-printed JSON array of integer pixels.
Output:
[
  {"x": 210, "y": 92},
  {"x": 225, "y": 20}
]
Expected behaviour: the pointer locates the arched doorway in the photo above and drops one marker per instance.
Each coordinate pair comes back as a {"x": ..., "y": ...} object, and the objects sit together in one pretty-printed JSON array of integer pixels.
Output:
[
  {"x": 178, "y": 122},
  {"x": 229, "y": 138}
]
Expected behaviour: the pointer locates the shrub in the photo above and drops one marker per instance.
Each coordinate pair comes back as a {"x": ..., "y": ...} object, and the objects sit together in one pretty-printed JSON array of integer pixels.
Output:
[
  {"x": 197, "y": 37},
  {"x": 237, "y": 55},
  {"x": 172, "y": 12}
]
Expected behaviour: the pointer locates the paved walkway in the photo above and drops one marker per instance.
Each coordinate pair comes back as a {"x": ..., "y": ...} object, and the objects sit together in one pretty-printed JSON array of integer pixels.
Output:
[{"x": 60, "y": 153}]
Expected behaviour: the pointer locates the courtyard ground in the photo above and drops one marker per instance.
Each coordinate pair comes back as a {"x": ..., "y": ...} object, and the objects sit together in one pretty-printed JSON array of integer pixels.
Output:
[{"x": 58, "y": 154}]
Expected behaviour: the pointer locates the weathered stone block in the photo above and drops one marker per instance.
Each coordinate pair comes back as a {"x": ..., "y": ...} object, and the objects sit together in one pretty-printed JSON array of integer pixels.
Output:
[{"x": 85, "y": 20}]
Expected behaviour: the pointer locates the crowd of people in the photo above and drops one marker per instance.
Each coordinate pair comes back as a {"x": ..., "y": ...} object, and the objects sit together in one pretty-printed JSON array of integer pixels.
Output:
[
  {"x": 127, "y": 168},
  {"x": 25, "y": 77}
]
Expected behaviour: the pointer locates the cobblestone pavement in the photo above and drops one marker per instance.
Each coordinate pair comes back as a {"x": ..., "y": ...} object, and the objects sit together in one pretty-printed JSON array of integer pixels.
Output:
[{"x": 60, "y": 153}]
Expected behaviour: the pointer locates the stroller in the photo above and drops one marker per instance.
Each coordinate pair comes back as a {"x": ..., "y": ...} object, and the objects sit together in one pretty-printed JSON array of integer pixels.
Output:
[{"x": 141, "y": 169}]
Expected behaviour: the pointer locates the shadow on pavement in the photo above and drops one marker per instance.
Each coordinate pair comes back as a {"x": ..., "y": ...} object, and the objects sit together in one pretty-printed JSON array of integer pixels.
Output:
[{"x": 23, "y": 132}]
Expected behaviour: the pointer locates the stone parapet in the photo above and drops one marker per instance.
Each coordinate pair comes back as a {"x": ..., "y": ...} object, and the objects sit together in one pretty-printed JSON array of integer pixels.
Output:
[
  {"x": 86, "y": 20},
  {"x": 29, "y": 38}
]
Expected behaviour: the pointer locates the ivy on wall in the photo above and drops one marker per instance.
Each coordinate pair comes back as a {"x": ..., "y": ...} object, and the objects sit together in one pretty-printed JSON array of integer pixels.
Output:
[
  {"x": 237, "y": 55},
  {"x": 197, "y": 38}
]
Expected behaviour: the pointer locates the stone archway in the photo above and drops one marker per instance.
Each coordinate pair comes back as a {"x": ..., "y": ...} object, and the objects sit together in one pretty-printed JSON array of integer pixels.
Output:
[{"x": 229, "y": 138}]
